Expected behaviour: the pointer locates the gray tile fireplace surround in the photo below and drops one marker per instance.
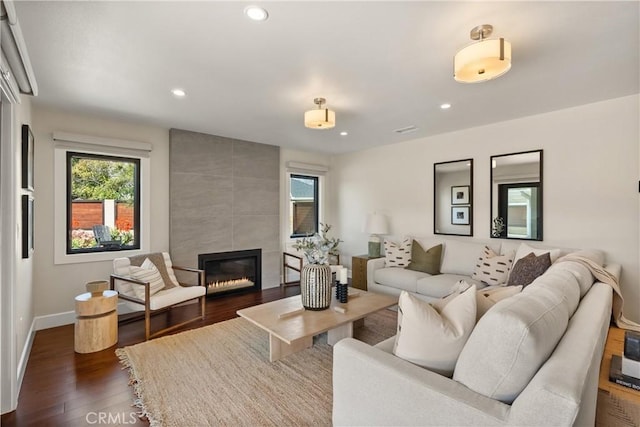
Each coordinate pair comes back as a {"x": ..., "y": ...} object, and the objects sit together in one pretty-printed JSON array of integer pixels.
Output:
[{"x": 224, "y": 196}]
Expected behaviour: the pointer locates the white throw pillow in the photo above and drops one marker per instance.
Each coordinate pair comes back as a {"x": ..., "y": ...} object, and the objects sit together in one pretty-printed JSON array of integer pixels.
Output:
[
  {"x": 524, "y": 250},
  {"x": 147, "y": 272},
  {"x": 487, "y": 298},
  {"x": 491, "y": 268},
  {"x": 397, "y": 254},
  {"x": 434, "y": 339}
]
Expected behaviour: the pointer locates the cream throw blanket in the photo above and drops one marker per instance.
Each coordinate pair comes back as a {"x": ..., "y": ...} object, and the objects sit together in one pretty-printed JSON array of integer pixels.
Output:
[{"x": 604, "y": 276}]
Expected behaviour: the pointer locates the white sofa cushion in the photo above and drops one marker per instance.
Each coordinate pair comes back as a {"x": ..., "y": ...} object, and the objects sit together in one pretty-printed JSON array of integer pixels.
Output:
[
  {"x": 582, "y": 273},
  {"x": 461, "y": 257},
  {"x": 147, "y": 272},
  {"x": 500, "y": 365},
  {"x": 491, "y": 268},
  {"x": 441, "y": 285},
  {"x": 434, "y": 339},
  {"x": 397, "y": 254},
  {"x": 399, "y": 278},
  {"x": 561, "y": 283}
]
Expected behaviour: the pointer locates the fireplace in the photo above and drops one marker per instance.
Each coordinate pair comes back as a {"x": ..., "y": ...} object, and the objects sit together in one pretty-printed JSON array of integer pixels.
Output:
[{"x": 231, "y": 271}]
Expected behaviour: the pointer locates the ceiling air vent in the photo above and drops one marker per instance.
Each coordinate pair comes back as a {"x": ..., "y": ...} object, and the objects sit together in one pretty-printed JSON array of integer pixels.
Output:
[{"x": 407, "y": 129}]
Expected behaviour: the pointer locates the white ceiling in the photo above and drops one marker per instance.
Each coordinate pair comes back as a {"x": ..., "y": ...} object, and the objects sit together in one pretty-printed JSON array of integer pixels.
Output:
[{"x": 381, "y": 65}]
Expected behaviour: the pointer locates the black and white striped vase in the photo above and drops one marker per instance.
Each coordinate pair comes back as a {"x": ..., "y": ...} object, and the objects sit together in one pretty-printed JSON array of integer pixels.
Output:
[{"x": 315, "y": 286}]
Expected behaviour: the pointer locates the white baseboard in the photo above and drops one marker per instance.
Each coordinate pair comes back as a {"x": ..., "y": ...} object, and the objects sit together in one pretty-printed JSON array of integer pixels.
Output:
[
  {"x": 54, "y": 320},
  {"x": 26, "y": 351}
]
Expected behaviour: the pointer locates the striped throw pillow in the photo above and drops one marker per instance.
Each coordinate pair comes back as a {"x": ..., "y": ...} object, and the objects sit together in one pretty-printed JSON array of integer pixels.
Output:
[
  {"x": 491, "y": 268},
  {"x": 147, "y": 272},
  {"x": 397, "y": 254}
]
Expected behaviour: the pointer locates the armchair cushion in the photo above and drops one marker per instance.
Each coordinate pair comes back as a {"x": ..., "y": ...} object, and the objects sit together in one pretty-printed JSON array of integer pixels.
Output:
[{"x": 176, "y": 295}]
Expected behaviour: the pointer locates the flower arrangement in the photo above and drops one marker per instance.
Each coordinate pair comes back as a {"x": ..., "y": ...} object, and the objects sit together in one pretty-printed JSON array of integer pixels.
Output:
[{"x": 318, "y": 247}]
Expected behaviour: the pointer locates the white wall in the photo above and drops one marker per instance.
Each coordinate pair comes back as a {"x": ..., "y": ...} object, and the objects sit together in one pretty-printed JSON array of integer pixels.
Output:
[
  {"x": 55, "y": 286},
  {"x": 591, "y": 171}
]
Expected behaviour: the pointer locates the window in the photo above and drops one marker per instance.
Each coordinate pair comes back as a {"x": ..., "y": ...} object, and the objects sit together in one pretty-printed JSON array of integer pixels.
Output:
[
  {"x": 103, "y": 203},
  {"x": 121, "y": 192},
  {"x": 303, "y": 205}
]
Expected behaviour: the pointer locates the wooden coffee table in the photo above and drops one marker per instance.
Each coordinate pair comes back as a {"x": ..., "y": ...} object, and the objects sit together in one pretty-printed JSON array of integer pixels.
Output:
[{"x": 291, "y": 328}]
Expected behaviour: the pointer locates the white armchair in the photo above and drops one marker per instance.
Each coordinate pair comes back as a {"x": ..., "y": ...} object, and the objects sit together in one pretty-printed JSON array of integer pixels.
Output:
[{"x": 152, "y": 290}]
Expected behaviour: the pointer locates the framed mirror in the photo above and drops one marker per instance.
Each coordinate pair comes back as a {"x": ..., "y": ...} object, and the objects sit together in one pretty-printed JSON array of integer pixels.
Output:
[
  {"x": 453, "y": 198},
  {"x": 516, "y": 196}
]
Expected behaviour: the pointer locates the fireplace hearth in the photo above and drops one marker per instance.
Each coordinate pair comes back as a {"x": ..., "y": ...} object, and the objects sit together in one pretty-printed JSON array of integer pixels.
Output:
[{"x": 232, "y": 271}]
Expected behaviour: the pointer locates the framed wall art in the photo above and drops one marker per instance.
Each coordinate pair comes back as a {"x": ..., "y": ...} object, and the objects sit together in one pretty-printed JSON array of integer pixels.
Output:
[
  {"x": 27, "y": 225},
  {"x": 460, "y": 215},
  {"x": 460, "y": 195},
  {"x": 27, "y": 158}
]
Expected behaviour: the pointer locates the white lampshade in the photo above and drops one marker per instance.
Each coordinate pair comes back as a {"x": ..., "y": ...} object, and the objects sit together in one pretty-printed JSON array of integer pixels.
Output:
[
  {"x": 376, "y": 224},
  {"x": 320, "y": 119},
  {"x": 482, "y": 61}
]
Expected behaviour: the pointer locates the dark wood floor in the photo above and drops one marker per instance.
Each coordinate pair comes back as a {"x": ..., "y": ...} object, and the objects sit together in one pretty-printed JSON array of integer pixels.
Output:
[{"x": 64, "y": 388}]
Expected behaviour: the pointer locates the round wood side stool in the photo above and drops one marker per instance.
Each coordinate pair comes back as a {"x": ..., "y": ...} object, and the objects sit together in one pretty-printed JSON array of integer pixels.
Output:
[{"x": 96, "y": 325}]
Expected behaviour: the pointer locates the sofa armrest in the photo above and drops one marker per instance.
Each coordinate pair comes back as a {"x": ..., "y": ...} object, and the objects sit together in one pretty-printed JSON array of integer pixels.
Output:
[
  {"x": 372, "y": 387},
  {"x": 372, "y": 266}
]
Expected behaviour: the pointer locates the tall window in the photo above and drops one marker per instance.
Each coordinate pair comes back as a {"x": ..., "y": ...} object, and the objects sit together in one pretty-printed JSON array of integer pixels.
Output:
[
  {"x": 303, "y": 205},
  {"x": 103, "y": 203}
]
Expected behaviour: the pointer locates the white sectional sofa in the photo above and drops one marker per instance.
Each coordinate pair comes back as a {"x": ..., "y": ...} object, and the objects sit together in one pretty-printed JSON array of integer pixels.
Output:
[
  {"x": 532, "y": 360},
  {"x": 458, "y": 262}
]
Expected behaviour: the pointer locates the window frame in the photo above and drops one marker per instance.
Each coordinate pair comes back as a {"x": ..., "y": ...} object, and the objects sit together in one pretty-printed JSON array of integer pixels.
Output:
[
  {"x": 316, "y": 198},
  {"x": 136, "y": 200},
  {"x": 64, "y": 142}
]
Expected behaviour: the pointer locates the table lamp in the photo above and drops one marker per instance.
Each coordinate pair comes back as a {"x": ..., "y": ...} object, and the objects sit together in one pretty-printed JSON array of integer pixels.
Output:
[{"x": 376, "y": 224}]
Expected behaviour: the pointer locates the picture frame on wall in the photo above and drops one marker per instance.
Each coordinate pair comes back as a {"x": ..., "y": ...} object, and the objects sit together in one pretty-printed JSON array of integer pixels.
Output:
[
  {"x": 460, "y": 215},
  {"x": 27, "y": 158},
  {"x": 27, "y": 225},
  {"x": 460, "y": 195}
]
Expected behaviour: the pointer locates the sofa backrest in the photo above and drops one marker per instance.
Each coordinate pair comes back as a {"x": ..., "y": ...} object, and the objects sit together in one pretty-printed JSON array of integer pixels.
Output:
[{"x": 513, "y": 339}]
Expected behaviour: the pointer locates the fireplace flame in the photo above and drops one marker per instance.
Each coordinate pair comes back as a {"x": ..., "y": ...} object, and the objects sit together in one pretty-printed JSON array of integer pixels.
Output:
[{"x": 236, "y": 283}]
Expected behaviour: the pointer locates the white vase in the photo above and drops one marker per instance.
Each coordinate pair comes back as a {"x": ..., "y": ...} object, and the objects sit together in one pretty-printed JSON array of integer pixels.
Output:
[{"x": 315, "y": 286}]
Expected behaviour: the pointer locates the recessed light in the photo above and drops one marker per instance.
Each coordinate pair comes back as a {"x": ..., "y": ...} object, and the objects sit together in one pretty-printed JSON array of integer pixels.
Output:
[
  {"x": 344, "y": 133},
  {"x": 178, "y": 93},
  {"x": 445, "y": 106},
  {"x": 256, "y": 13}
]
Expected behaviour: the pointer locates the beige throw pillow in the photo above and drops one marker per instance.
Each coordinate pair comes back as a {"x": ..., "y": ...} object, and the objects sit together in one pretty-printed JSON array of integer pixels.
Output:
[
  {"x": 397, "y": 254},
  {"x": 433, "y": 339},
  {"x": 487, "y": 298},
  {"x": 147, "y": 272},
  {"x": 491, "y": 268}
]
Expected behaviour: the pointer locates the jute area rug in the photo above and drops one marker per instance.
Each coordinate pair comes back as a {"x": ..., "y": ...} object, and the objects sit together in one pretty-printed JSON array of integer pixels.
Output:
[{"x": 221, "y": 375}]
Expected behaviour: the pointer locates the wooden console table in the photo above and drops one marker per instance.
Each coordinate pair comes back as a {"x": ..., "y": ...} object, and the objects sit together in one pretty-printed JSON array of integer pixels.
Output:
[{"x": 618, "y": 406}]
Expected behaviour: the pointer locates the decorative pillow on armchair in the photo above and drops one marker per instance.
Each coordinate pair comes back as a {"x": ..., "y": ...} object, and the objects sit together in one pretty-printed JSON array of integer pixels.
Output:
[
  {"x": 491, "y": 268},
  {"x": 147, "y": 272},
  {"x": 433, "y": 339},
  {"x": 397, "y": 254}
]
